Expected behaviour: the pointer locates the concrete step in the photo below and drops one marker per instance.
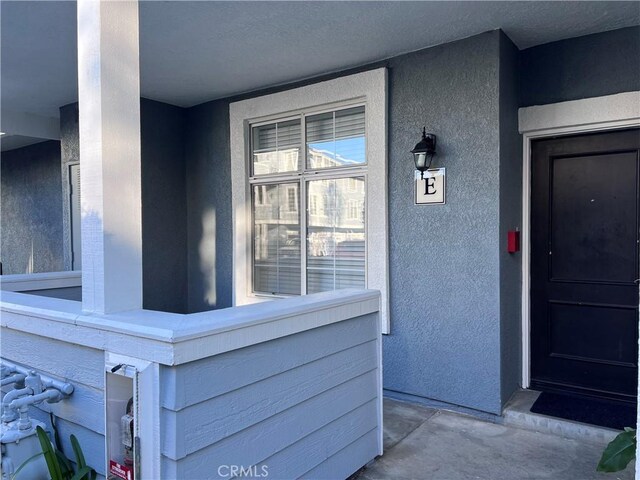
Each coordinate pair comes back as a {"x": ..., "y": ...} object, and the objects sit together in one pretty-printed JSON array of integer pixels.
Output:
[{"x": 517, "y": 414}]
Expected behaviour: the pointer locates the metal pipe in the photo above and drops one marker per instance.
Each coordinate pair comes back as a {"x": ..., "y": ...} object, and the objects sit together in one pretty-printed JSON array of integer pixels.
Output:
[
  {"x": 50, "y": 395},
  {"x": 65, "y": 388},
  {"x": 8, "y": 414},
  {"x": 13, "y": 394},
  {"x": 15, "y": 378},
  {"x": 5, "y": 371}
]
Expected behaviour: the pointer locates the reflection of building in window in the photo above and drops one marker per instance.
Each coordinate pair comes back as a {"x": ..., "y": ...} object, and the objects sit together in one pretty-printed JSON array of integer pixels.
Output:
[
  {"x": 313, "y": 205},
  {"x": 354, "y": 209},
  {"x": 292, "y": 200},
  {"x": 334, "y": 246},
  {"x": 260, "y": 194}
]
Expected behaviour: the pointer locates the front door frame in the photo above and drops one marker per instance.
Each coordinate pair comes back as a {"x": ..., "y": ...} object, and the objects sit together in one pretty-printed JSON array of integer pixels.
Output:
[{"x": 594, "y": 114}]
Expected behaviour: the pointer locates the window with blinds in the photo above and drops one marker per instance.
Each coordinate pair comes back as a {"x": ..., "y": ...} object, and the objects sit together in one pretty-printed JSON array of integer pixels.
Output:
[{"x": 320, "y": 198}]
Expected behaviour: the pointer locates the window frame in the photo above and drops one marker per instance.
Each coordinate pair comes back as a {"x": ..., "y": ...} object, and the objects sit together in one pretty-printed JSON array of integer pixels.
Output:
[
  {"x": 301, "y": 177},
  {"x": 366, "y": 88}
]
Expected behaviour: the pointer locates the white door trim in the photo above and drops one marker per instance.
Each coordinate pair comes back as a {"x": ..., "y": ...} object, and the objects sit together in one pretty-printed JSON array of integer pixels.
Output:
[{"x": 577, "y": 116}]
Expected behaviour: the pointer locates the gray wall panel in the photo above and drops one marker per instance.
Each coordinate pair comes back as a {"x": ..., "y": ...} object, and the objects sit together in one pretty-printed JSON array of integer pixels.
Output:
[
  {"x": 31, "y": 209},
  {"x": 316, "y": 402},
  {"x": 164, "y": 218},
  {"x": 70, "y": 149},
  {"x": 445, "y": 327},
  {"x": 65, "y": 293},
  {"x": 510, "y": 219},
  {"x": 590, "y": 66},
  {"x": 284, "y": 429},
  {"x": 183, "y": 386},
  {"x": 164, "y": 222},
  {"x": 444, "y": 259},
  {"x": 210, "y": 262},
  {"x": 202, "y": 424},
  {"x": 345, "y": 462}
]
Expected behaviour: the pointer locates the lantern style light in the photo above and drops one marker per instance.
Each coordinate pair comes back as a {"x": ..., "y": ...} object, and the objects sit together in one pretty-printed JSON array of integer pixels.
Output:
[{"x": 424, "y": 151}]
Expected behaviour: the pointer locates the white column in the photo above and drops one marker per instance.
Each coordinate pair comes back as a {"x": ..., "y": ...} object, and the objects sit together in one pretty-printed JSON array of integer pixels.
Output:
[{"x": 109, "y": 98}]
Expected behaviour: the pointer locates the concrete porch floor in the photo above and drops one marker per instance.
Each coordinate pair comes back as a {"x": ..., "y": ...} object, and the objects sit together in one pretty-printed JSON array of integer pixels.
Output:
[{"x": 425, "y": 443}]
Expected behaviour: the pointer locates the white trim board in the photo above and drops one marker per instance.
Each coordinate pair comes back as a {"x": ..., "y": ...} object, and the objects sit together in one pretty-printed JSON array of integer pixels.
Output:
[
  {"x": 40, "y": 281},
  {"x": 577, "y": 116},
  {"x": 369, "y": 88},
  {"x": 172, "y": 338}
]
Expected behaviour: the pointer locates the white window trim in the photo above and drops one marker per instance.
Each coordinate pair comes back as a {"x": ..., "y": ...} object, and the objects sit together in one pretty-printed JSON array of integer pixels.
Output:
[
  {"x": 369, "y": 87},
  {"x": 594, "y": 114}
]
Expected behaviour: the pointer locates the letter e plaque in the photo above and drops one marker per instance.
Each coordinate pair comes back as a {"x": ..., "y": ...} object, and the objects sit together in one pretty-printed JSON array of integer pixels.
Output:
[{"x": 430, "y": 190}]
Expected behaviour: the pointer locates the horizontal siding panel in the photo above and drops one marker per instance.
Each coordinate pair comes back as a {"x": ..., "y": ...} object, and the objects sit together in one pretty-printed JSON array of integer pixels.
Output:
[
  {"x": 316, "y": 448},
  {"x": 92, "y": 443},
  {"x": 262, "y": 440},
  {"x": 208, "y": 422},
  {"x": 348, "y": 460},
  {"x": 67, "y": 361},
  {"x": 195, "y": 382}
]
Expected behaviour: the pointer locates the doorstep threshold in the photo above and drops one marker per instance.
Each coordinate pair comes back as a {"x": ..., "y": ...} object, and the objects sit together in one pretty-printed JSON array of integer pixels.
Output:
[{"x": 517, "y": 414}]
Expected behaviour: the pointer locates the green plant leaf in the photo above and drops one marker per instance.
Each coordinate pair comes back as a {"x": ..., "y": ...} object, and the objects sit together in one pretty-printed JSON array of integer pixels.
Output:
[
  {"x": 65, "y": 464},
  {"x": 24, "y": 464},
  {"x": 49, "y": 455},
  {"x": 84, "y": 472},
  {"x": 80, "y": 461},
  {"x": 620, "y": 451},
  {"x": 56, "y": 436}
]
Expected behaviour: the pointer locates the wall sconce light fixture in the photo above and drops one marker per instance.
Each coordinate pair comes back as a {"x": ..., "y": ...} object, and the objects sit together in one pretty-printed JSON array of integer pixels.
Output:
[{"x": 424, "y": 151}]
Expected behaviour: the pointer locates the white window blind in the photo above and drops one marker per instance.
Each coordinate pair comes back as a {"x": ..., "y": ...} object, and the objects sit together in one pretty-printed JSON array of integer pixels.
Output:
[
  {"x": 276, "y": 147},
  {"x": 328, "y": 212},
  {"x": 336, "y": 138}
]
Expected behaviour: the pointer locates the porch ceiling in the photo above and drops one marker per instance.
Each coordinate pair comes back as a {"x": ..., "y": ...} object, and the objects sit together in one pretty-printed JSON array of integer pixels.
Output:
[{"x": 192, "y": 52}]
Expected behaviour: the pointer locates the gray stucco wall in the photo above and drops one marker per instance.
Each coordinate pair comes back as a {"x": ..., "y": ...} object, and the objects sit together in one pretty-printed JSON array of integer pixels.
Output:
[
  {"x": 164, "y": 224},
  {"x": 64, "y": 293},
  {"x": 446, "y": 341},
  {"x": 510, "y": 219},
  {"x": 70, "y": 149},
  {"x": 444, "y": 260},
  {"x": 31, "y": 209},
  {"x": 210, "y": 250},
  {"x": 590, "y": 66}
]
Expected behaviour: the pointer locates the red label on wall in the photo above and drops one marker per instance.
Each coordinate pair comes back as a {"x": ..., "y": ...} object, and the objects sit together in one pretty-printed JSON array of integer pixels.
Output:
[
  {"x": 120, "y": 471},
  {"x": 513, "y": 241}
]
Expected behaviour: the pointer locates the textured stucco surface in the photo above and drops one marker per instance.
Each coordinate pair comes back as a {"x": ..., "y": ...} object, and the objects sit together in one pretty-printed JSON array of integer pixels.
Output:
[
  {"x": 70, "y": 154},
  {"x": 445, "y": 296},
  {"x": 164, "y": 225},
  {"x": 445, "y": 341},
  {"x": 510, "y": 219},
  {"x": 31, "y": 209},
  {"x": 582, "y": 67},
  {"x": 207, "y": 153}
]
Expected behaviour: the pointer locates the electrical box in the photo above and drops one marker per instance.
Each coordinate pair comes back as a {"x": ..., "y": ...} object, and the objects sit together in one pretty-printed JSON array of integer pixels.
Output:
[
  {"x": 132, "y": 418},
  {"x": 122, "y": 412}
]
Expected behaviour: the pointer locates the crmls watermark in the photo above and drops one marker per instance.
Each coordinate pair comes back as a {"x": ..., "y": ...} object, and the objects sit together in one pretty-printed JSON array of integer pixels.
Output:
[{"x": 240, "y": 471}]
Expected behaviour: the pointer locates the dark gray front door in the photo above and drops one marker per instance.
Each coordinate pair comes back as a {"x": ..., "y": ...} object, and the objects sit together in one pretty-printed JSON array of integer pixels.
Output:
[{"x": 584, "y": 264}]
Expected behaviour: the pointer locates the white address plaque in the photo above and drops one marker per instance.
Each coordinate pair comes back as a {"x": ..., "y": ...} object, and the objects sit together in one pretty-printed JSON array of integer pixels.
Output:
[{"x": 430, "y": 190}]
